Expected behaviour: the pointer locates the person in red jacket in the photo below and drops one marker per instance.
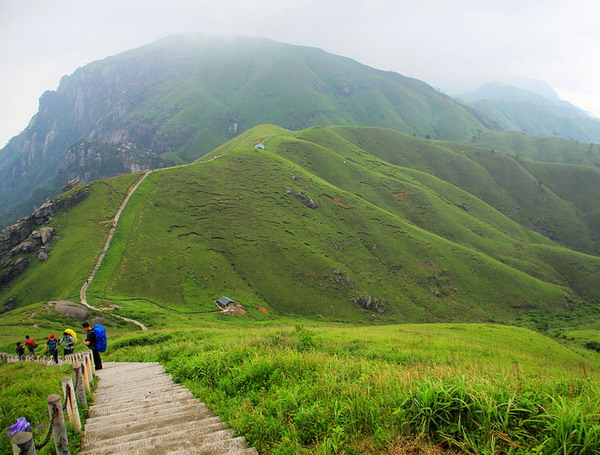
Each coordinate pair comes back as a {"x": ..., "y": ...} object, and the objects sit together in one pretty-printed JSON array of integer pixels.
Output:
[{"x": 31, "y": 346}]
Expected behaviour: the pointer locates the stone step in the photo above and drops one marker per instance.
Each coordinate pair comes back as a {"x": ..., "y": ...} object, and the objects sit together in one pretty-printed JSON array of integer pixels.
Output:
[
  {"x": 139, "y": 410},
  {"x": 141, "y": 381},
  {"x": 125, "y": 402},
  {"x": 95, "y": 429},
  {"x": 151, "y": 431},
  {"x": 192, "y": 451},
  {"x": 191, "y": 406},
  {"x": 124, "y": 367},
  {"x": 135, "y": 408},
  {"x": 163, "y": 444}
]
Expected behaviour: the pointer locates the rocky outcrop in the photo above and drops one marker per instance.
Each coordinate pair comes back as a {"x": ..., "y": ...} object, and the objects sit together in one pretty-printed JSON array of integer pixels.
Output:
[
  {"x": 307, "y": 201},
  {"x": 25, "y": 240},
  {"x": 90, "y": 160},
  {"x": 370, "y": 303}
]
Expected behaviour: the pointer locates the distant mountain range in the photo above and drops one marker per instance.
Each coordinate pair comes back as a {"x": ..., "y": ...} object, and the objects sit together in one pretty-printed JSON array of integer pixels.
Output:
[
  {"x": 539, "y": 112},
  {"x": 176, "y": 99}
]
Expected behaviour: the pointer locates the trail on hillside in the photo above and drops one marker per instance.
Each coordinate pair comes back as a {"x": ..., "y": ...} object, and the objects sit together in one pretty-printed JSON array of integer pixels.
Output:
[{"x": 113, "y": 228}]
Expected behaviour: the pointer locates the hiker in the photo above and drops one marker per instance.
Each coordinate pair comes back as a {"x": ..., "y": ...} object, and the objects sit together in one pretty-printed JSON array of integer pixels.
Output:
[
  {"x": 52, "y": 347},
  {"x": 31, "y": 346},
  {"x": 68, "y": 343},
  {"x": 20, "y": 351},
  {"x": 90, "y": 342}
]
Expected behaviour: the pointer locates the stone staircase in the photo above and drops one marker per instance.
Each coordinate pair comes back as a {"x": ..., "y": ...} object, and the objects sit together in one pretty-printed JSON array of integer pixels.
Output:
[{"x": 139, "y": 410}]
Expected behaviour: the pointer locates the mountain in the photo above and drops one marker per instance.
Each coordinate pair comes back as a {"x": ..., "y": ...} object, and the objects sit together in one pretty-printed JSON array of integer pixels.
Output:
[
  {"x": 176, "y": 99},
  {"x": 334, "y": 223},
  {"x": 518, "y": 109}
]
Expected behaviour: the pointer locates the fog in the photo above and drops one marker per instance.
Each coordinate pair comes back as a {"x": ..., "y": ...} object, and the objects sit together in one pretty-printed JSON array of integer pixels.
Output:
[{"x": 454, "y": 46}]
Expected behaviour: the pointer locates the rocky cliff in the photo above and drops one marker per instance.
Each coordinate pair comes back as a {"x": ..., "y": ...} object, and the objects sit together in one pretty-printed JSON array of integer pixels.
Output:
[{"x": 28, "y": 239}]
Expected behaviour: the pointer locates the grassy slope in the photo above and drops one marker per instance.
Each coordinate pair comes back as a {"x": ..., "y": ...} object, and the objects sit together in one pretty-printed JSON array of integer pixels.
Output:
[
  {"x": 25, "y": 387},
  {"x": 539, "y": 120},
  {"x": 428, "y": 249},
  {"x": 340, "y": 389},
  {"x": 545, "y": 149},
  {"x": 205, "y": 225},
  {"x": 507, "y": 184}
]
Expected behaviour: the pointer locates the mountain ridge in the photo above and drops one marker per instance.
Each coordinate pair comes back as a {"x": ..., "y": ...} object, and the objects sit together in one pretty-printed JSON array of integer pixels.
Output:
[
  {"x": 380, "y": 242},
  {"x": 185, "y": 95}
]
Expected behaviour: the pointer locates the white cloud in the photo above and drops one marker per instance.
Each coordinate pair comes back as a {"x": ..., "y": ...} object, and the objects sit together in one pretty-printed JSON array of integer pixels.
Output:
[{"x": 453, "y": 45}]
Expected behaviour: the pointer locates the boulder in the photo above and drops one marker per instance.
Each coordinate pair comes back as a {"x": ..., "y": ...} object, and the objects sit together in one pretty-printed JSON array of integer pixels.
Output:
[
  {"x": 307, "y": 201},
  {"x": 41, "y": 215},
  {"x": 28, "y": 246},
  {"x": 43, "y": 256},
  {"x": 14, "y": 234},
  {"x": 71, "y": 310},
  {"x": 370, "y": 303},
  {"x": 46, "y": 233}
]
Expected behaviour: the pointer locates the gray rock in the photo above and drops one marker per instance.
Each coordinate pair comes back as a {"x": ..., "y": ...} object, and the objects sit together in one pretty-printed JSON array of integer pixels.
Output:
[
  {"x": 71, "y": 310},
  {"x": 368, "y": 302},
  {"x": 43, "y": 256},
  {"x": 308, "y": 202},
  {"x": 13, "y": 270},
  {"x": 40, "y": 216},
  {"x": 46, "y": 234},
  {"x": 28, "y": 246}
]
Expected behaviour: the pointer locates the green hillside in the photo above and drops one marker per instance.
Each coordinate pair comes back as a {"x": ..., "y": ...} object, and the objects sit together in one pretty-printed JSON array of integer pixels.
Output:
[
  {"x": 180, "y": 97},
  {"x": 410, "y": 388},
  {"x": 545, "y": 149},
  {"x": 336, "y": 388},
  {"x": 386, "y": 243},
  {"x": 539, "y": 112}
]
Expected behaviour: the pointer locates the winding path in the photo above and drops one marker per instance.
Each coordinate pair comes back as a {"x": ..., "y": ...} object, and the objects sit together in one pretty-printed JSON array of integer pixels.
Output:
[{"x": 115, "y": 222}]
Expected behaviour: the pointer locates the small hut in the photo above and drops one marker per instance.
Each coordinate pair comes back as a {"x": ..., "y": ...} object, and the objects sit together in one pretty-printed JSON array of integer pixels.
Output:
[{"x": 223, "y": 302}]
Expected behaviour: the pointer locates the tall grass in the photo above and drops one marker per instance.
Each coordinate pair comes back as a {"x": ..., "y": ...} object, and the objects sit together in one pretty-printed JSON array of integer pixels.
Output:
[
  {"x": 295, "y": 391},
  {"x": 24, "y": 387}
]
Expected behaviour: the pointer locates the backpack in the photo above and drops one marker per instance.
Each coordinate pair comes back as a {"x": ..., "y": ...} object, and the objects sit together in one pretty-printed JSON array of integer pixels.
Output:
[
  {"x": 52, "y": 345},
  {"x": 100, "y": 332},
  {"x": 72, "y": 333}
]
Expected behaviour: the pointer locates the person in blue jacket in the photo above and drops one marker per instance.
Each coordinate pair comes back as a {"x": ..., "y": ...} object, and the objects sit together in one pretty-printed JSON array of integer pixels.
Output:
[
  {"x": 90, "y": 342},
  {"x": 52, "y": 347}
]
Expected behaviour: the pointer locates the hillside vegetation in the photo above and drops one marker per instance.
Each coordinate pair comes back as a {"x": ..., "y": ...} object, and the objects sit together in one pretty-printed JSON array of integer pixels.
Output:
[
  {"x": 473, "y": 388},
  {"x": 388, "y": 238},
  {"x": 180, "y": 97}
]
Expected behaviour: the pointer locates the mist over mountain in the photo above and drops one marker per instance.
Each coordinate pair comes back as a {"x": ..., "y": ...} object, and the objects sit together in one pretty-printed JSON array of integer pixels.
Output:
[
  {"x": 180, "y": 97},
  {"x": 538, "y": 111}
]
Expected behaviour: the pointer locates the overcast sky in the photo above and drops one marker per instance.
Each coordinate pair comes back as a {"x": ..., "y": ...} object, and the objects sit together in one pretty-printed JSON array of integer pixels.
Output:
[{"x": 453, "y": 45}]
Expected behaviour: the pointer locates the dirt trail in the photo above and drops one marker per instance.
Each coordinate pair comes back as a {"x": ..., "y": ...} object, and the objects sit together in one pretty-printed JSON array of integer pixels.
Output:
[{"x": 115, "y": 222}]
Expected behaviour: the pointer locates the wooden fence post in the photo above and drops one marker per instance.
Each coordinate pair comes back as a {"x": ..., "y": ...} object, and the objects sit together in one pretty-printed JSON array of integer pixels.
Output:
[
  {"x": 92, "y": 364},
  {"x": 86, "y": 374},
  {"x": 22, "y": 444},
  {"x": 59, "y": 429},
  {"x": 72, "y": 408},
  {"x": 79, "y": 386}
]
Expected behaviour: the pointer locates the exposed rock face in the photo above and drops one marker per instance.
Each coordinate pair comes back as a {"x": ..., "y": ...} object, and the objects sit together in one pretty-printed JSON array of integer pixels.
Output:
[
  {"x": 370, "y": 303},
  {"x": 310, "y": 203},
  {"x": 71, "y": 309},
  {"x": 89, "y": 160},
  {"x": 10, "y": 270},
  {"x": 23, "y": 239}
]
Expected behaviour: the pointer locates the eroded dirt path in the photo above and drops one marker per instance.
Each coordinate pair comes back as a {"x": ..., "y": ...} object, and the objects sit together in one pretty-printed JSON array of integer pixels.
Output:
[{"x": 113, "y": 227}]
